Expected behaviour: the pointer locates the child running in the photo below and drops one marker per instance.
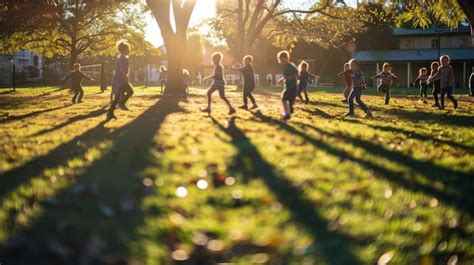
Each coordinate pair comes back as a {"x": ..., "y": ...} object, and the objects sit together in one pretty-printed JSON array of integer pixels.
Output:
[
  {"x": 186, "y": 80},
  {"x": 290, "y": 74},
  {"x": 386, "y": 80},
  {"x": 163, "y": 77},
  {"x": 249, "y": 81},
  {"x": 347, "y": 74},
  {"x": 446, "y": 75},
  {"x": 423, "y": 79},
  {"x": 122, "y": 90},
  {"x": 217, "y": 84},
  {"x": 436, "y": 84},
  {"x": 358, "y": 84},
  {"x": 304, "y": 77},
  {"x": 76, "y": 77}
]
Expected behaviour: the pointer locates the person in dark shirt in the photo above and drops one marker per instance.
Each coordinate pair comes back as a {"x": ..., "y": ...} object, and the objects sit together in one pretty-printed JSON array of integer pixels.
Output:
[
  {"x": 163, "y": 77},
  {"x": 76, "y": 77},
  {"x": 358, "y": 85},
  {"x": 122, "y": 90},
  {"x": 436, "y": 84},
  {"x": 446, "y": 76},
  {"x": 304, "y": 77},
  {"x": 290, "y": 75},
  {"x": 249, "y": 81},
  {"x": 347, "y": 74},
  {"x": 423, "y": 79},
  {"x": 217, "y": 84}
]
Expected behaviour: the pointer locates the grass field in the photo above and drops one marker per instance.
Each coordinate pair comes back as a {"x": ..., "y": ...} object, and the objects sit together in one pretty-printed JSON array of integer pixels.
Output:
[{"x": 167, "y": 184}]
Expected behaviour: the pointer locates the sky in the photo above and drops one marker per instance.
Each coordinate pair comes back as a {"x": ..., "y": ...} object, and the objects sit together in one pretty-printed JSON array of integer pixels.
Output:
[{"x": 206, "y": 9}]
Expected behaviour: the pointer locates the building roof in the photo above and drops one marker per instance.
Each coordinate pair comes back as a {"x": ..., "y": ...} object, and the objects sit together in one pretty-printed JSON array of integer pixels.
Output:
[
  {"x": 431, "y": 31},
  {"x": 414, "y": 55}
]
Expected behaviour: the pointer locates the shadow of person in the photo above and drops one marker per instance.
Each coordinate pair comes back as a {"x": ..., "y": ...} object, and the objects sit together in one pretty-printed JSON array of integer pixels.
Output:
[
  {"x": 92, "y": 114},
  {"x": 415, "y": 135},
  {"x": 456, "y": 184},
  {"x": 336, "y": 248},
  {"x": 31, "y": 114}
]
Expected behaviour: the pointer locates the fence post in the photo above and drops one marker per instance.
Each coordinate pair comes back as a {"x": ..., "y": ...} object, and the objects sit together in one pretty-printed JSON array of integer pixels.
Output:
[
  {"x": 103, "y": 79},
  {"x": 13, "y": 75}
]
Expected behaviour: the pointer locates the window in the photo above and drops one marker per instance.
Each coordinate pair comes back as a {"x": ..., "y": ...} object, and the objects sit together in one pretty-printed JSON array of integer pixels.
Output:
[
  {"x": 463, "y": 42},
  {"x": 409, "y": 44},
  {"x": 435, "y": 43}
]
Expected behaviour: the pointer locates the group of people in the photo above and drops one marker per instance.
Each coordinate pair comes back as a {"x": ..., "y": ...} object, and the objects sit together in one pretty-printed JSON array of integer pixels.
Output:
[
  {"x": 295, "y": 81},
  {"x": 441, "y": 79}
]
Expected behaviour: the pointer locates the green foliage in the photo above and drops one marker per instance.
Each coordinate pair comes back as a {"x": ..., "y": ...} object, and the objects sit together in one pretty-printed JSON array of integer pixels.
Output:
[
  {"x": 426, "y": 13},
  {"x": 78, "y": 28},
  {"x": 318, "y": 189},
  {"x": 194, "y": 53}
]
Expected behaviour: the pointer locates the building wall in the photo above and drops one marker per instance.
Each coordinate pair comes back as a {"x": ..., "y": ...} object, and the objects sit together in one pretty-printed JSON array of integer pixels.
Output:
[{"x": 430, "y": 42}]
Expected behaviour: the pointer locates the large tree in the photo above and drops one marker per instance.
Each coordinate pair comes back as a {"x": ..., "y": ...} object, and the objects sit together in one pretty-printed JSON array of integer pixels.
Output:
[
  {"x": 174, "y": 37},
  {"x": 245, "y": 23},
  {"x": 71, "y": 28},
  {"x": 90, "y": 26},
  {"x": 468, "y": 7}
]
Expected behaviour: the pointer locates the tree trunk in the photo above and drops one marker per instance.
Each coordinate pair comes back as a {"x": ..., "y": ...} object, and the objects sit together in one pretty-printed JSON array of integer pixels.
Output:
[
  {"x": 73, "y": 58},
  {"x": 175, "y": 40},
  {"x": 174, "y": 54},
  {"x": 468, "y": 7}
]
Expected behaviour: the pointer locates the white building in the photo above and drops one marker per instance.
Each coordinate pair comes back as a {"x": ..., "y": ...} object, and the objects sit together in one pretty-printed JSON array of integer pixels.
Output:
[{"x": 28, "y": 65}]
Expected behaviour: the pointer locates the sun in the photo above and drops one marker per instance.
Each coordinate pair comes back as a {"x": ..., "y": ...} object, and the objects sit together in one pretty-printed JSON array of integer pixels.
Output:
[{"x": 204, "y": 9}]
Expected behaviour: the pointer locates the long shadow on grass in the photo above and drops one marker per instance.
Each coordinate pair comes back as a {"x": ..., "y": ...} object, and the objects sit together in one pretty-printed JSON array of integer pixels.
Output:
[
  {"x": 415, "y": 115},
  {"x": 72, "y": 120},
  {"x": 457, "y": 184},
  {"x": 412, "y": 134},
  {"x": 335, "y": 247},
  {"x": 119, "y": 171},
  {"x": 31, "y": 114},
  {"x": 442, "y": 118},
  {"x": 14, "y": 178}
]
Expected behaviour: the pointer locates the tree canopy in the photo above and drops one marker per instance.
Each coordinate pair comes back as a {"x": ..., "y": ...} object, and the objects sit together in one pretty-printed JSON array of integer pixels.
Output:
[{"x": 72, "y": 28}]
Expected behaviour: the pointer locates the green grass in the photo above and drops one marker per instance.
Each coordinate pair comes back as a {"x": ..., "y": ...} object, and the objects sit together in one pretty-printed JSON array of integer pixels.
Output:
[{"x": 318, "y": 189}]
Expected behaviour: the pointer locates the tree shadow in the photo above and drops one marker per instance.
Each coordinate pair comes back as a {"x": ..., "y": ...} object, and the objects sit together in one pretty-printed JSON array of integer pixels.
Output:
[
  {"x": 412, "y": 134},
  {"x": 119, "y": 170},
  {"x": 457, "y": 185},
  {"x": 335, "y": 247},
  {"x": 416, "y": 116},
  {"x": 31, "y": 114},
  {"x": 13, "y": 178},
  {"x": 441, "y": 118},
  {"x": 72, "y": 120}
]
